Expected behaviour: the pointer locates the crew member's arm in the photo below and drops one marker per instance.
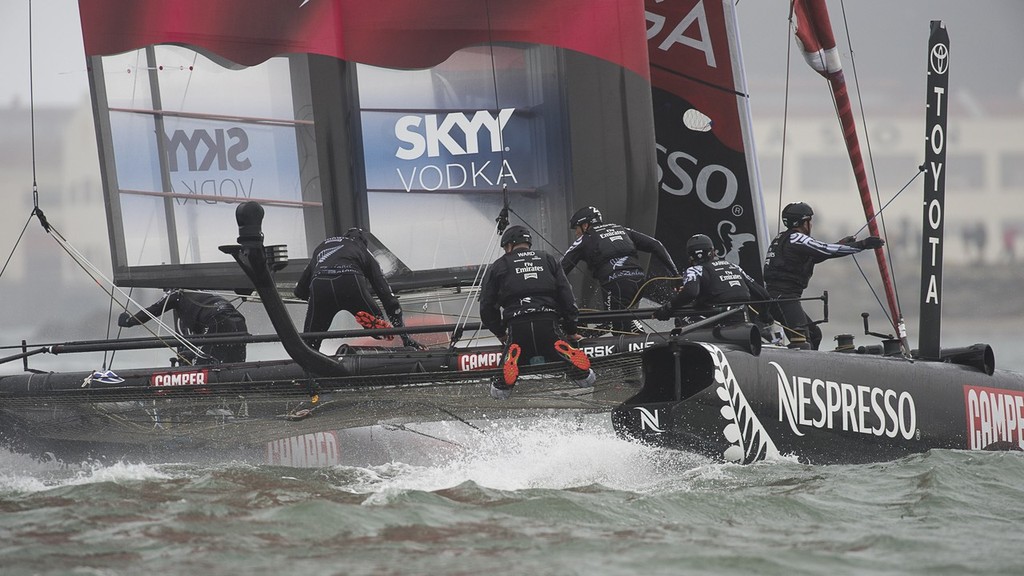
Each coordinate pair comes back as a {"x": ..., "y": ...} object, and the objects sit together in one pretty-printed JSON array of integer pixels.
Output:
[
  {"x": 686, "y": 294},
  {"x": 490, "y": 312},
  {"x": 820, "y": 251},
  {"x": 648, "y": 244},
  {"x": 573, "y": 255},
  {"x": 168, "y": 302},
  {"x": 567, "y": 308}
]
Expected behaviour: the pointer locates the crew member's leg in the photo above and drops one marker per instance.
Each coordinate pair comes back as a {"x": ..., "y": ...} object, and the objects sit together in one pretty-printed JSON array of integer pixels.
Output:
[
  {"x": 226, "y": 324},
  {"x": 621, "y": 292},
  {"x": 323, "y": 305},
  {"x": 795, "y": 321}
]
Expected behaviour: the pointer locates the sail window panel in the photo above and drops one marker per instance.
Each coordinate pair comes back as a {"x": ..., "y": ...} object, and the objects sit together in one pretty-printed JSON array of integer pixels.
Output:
[
  {"x": 439, "y": 144},
  {"x": 135, "y": 151},
  {"x": 145, "y": 230},
  {"x": 127, "y": 81},
  {"x": 190, "y": 82}
]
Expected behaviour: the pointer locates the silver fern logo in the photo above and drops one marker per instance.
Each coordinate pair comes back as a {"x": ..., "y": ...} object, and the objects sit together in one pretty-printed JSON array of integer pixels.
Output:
[
  {"x": 649, "y": 420},
  {"x": 748, "y": 438}
]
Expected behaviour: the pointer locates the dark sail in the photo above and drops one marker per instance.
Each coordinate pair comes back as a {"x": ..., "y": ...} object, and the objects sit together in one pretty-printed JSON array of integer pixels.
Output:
[{"x": 707, "y": 178}]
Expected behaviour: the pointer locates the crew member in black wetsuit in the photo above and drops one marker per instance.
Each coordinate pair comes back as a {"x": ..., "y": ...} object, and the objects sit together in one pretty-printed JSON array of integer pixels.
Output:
[
  {"x": 527, "y": 302},
  {"x": 789, "y": 264},
  {"x": 197, "y": 313},
  {"x": 710, "y": 282},
  {"x": 339, "y": 276},
  {"x": 610, "y": 251}
]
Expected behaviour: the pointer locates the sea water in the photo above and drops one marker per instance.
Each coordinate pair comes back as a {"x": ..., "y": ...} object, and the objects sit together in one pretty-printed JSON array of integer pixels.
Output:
[{"x": 556, "y": 496}]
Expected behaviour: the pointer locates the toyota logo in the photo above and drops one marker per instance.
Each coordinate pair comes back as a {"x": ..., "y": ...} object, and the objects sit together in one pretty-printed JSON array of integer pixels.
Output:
[{"x": 939, "y": 59}]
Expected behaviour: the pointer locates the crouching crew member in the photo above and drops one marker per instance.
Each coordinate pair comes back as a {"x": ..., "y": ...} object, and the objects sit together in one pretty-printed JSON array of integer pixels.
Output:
[
  {"x": 527, "y": 302},
  {"x": 711, "y": 282},
  {"x": 199, "y": 313}
]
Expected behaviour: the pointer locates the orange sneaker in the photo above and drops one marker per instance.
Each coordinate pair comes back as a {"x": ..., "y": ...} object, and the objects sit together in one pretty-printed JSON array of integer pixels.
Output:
[
  {"x": 369, "y": 321},
  {"x": 511, "y": 367},
  {"x": 578, "y": 357}
]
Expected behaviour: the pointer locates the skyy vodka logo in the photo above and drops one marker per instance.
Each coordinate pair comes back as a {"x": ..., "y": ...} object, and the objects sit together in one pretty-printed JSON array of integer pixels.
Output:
[{"x": 451, "y": 145}]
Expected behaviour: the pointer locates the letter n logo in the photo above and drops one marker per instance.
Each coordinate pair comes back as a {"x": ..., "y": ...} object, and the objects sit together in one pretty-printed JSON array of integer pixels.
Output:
[{"x": 649, "y": 420}]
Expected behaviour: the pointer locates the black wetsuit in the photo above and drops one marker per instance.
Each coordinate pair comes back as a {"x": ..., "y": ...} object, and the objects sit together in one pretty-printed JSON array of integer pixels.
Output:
[
  {"x": 610, "y": 251},
  {"x": 718, "y": 282},
  {"x": 339, "y": 276},
  {"x": 525, "y": 299},
  {"x": 201, "y": 313},
  {"x": 788, "y": 268}
]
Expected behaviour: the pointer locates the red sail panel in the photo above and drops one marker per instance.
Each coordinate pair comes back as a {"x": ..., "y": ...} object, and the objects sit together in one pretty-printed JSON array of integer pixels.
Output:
[
  {"x": 814, "y": 35},
  {"x": 388, "y": 33}
]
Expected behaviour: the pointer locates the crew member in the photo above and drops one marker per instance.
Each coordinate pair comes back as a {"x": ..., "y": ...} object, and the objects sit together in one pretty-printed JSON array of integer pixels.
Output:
[
  {"x": 789, "y": 265},
  {"x": 197, "y": 313},
  {"x": 610, "y": 251},
  {"x": 710, "y": 282},
  {"x": 527, "y": 302},
  {"x": 339, "y": 276}
]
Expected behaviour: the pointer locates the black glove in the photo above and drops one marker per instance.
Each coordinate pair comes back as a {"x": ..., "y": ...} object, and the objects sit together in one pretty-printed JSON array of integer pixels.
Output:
[
  {"x": 870, "y": 243},
  {"x": 664, "y": 312},
  {"x": 126, "y": 320},
  {"x": 408, "y": 342}
]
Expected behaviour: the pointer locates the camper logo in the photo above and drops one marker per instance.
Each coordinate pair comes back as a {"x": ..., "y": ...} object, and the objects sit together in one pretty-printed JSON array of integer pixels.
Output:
[
  {"x": 748, "y": 438},
  {"x": 191, "y": 378},
  {"x": 479, "y": 361},
  {"x": 994, "y": 415}
]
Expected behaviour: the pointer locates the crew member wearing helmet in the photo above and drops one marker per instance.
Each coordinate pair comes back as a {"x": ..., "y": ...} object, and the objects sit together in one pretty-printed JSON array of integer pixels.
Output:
[
  {"x": 610, "y": 251},
  {"x": 339, "y": 277},
  {"x": 789, "y": 264},
  {"x": 197, "y": 313},
  {"x": 711, "y": 281},
  {"x": 527, "y": 302}
]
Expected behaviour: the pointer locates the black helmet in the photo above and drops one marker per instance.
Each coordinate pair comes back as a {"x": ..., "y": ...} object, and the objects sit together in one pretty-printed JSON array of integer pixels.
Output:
[
  {"x": 516, "y": 235},
  {"x": 796, "y": 214},
  {"x": 700, "y": 248},
  {"x": 356, "y": 234},
  {"x": 585, "y": 215}
]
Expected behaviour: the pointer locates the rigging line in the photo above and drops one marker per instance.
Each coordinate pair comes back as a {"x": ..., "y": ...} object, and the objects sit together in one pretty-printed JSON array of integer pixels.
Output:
[
  {"x": 867, "y": 144},
  {"x": 93, "y": 272},
  {"x": 16, "y": 242},
  {"x": 921, "y": 170},
  {"x": 32, "y": 108},
  {"x": 537, "y": 232},
  {"x": 785, "y": 114}
]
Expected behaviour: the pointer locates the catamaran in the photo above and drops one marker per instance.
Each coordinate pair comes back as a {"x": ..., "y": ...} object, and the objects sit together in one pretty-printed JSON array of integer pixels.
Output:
[{"x": 233, "y": 138}]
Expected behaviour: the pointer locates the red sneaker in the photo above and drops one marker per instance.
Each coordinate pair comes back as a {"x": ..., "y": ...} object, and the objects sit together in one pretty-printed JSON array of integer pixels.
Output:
[
  {"x": 511, "y": 367},
  {"x": 369, "y": 321},
  {"x": 578, "y": 357}
]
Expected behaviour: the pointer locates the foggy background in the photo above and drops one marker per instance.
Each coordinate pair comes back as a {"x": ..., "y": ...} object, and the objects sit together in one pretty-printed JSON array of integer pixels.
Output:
[{"x": 46, "y": 298}]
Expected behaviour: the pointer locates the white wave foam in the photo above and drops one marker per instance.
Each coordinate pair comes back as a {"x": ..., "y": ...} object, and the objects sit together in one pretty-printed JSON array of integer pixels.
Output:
[{"x": 547, "y": 453}]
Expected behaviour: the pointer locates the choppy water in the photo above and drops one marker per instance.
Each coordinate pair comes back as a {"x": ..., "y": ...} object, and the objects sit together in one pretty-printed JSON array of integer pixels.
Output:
[{"x": 552, "y": 498}]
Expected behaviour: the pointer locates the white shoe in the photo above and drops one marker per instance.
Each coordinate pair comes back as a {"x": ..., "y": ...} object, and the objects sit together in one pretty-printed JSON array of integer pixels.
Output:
[
  {"x": 500, "y": 393},
  {"x": 584, "y": 383}
]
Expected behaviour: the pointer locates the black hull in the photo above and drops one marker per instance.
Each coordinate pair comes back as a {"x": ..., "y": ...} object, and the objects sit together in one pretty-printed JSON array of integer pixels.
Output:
[
  {"x": 821, "y": 407},
  {"x": 265, "y": 410}
]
